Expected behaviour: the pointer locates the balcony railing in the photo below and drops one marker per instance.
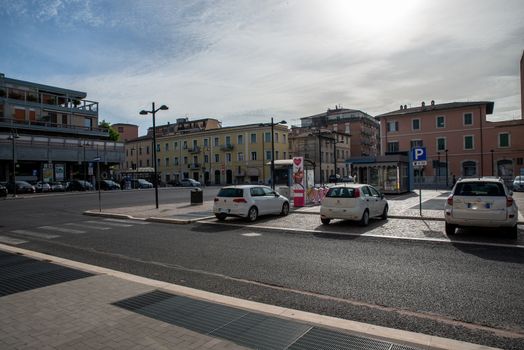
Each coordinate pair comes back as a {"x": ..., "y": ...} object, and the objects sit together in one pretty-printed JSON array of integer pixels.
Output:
[
  {"x": 194, "y": 166},
  {"x": 226, "y": 147},
  {"x": 195, "y": 149},
  {"x": 48, "y": 126}
]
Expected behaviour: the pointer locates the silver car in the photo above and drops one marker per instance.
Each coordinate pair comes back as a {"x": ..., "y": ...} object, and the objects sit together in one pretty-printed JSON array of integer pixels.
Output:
[{"x": 518, "y": 183}]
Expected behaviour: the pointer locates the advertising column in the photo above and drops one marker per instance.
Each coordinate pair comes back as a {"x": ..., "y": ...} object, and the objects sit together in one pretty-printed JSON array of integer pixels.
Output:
[{"x": 298, "y": 182}]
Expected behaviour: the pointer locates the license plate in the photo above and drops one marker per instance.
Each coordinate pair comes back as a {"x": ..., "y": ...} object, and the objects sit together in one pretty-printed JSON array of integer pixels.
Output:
[{"x": 222, "y": 210}]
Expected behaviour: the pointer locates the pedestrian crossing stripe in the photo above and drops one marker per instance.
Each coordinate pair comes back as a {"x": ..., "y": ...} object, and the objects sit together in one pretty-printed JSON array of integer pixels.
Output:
[
  {"x": 35, "y": 234},
  {"x": 11, "y": 240},
  {"x": 61, "y": 229},
  {"x": 87, "y": 226},
  {"x": 114, "y": 224},
  {"x": 132, "y": 222}
]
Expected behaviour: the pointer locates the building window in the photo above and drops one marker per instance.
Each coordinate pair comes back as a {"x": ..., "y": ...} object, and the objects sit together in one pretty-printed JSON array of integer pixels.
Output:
[
  {"x": 147, "y": 162},
  {"x": 276, "y": 155},
  {"x": 468, "y": 118},
  {"x": 283, "y": 138},
  {"x": 415, "y": 124},
  {"x": 206, "y": 158},
  {"x": 228, "y": 157},
  {"x": 147, "y": 150},
  {"x": 267, "y": 137},
  {"x": 158, "y": 147},
  {"x": 195, "y": 144},
  {"x": 253, "y": 138},
  {"x": 184, "y": 145},
  {"x": 240, "y": 139},
  {"x": 468, "y": 142},
  {"x": 206, "y": 142},
  {"x": 504, "y": 139},
  {"x": 185, "y": 160},
  {"x": 216, "y": 142},
  {"x": 228, "y": 140},
  {"x": 217, "y": 158},
  {"x": 167, "y": 147},
  {"x": 176, "y": 160},
  {"x": 253, "y": 155},
  {"x": 441, "y": 143},
  {"x": 167, "y": 162},
  {"x": 140, "y": 151},
  {"x": 392, "y": 126},
  {"x": 469, "y": 168},
  {"x": 285, "y": 155},
  {"x": 393, "y": 146},
  {"x": 175, "y": 145},
  {"x": 276, "y": 137},
  {"x": 240, "y": 156},
  {"x": 416, "y": 143},
  {"x": 441, "y": 121},
  {"x": 268, "y": 155}
]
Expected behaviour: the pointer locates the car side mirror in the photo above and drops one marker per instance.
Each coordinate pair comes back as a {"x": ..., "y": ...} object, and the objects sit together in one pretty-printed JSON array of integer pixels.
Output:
[
  {"x": 276, "y": 194},
  {"x": 382, "y": 196}
]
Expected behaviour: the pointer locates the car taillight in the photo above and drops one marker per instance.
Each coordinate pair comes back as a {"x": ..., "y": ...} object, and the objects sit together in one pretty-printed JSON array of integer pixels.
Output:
[
  {"x": 216, "y": 199},
  {"x": 357, "y": 192},
  {"x": 450, "y": 200},
  {"x": 509, "y": 201},
  {"x": 239, "y": 200}
]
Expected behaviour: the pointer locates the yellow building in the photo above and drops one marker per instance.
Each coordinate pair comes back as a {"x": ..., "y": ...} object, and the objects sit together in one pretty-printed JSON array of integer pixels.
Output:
[{"x": 215, "y": 156}]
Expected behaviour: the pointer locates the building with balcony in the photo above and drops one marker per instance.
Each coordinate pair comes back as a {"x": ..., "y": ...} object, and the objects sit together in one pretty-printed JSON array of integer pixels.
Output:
[
  {"x": 51, "y": 133},
  {"x": 458, "y": 138},
  {"x": 207, "y": 152}
]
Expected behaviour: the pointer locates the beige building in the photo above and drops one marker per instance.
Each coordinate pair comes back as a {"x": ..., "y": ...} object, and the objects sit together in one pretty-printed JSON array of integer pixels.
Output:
[{"x": 205, "y": 151}]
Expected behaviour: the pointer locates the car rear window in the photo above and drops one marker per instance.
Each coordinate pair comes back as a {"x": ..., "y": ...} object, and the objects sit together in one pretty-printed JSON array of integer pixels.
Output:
[
  {"x": 341, "y": 192},
  {"x": 231, "y": 192},
  {"x": 479, "y": 189}
]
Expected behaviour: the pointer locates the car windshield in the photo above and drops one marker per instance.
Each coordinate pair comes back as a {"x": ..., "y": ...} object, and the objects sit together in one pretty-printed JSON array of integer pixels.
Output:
[
  {"x": 479, "y": 189},
  {"x": 341, "y": 192},
  {"x": 231, "y": 192},
  {"x": 519, "y": 178}
]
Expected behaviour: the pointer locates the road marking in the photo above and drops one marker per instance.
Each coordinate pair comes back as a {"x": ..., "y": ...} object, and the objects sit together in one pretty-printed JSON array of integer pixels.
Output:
[
  {"x": 421, "y": 239},
  {"x": 61, "y": 229},
  {"x": 88, "y": 226},
  {"x": 251, "y": 234},
  {"x": 35, "y": 234},
  {"x": 132, "y": 222},
  {"x": 10, "y": 240},
  {"x": 114, "y": 224}
]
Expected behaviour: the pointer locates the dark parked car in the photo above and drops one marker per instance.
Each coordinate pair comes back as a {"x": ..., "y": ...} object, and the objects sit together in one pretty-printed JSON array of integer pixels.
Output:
[
  {"x": 190, "y": 183},
  {"x": 21, "y": 187},
  {"x": 79, "y": 185},
  {"x": 108, "y": 185},
  {"x": 3, "y": 191},
  {"x": 141, "y": 183}
]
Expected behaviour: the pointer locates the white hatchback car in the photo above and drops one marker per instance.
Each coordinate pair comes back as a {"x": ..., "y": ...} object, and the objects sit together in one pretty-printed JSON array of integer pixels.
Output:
[
  {"x": 249, "y": 201},
  {"x": 356, "y": 202},
  {"x": 481, "y": 202}
]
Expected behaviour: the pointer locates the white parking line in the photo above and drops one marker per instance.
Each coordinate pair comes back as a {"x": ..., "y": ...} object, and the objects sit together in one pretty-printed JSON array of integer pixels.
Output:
[
  {"x": 421, "y": 239},
  {"x": 114, "y": 224},
  {"x": 132, "y": 222},
  {"x": 61, "y": 229},
  {"x": 87, "y": 226},
  {"x": 35, "y": 234},
  {"x": 251, "y": 234},
  {"x": 10, "y": 240}
]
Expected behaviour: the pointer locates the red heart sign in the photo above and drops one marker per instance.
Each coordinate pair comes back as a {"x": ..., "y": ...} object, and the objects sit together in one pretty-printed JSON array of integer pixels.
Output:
[{"x": 297, "y": 161}]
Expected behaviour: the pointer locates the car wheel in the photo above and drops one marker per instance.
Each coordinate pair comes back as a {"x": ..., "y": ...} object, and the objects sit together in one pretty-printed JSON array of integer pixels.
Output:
[
  {"x": 365, "y": 218},
  {"x": 285, "y": 209},
  {"x": 252, "y": 214},
  {"x": 221, "y": 217},
  {"x": 325, "y": 221},
  {"x": 450, "y": 229},
  {"x": 384, "y": 215},
  {"x": 513, "y": 232}
]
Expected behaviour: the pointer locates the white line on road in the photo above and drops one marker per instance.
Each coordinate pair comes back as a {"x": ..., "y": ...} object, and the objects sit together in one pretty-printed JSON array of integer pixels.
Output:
[
  {"x": 61, "y": 229},
  {"x": 88, "y": 226},
  {"x": 132, "y": 222},
  {"x": 251, "y": 234},
  {"x": 10, "y": 240},
  {"x": 114, "y": 224},
  {"x": 35, "y": 234},
  {"x": 422, "y": 239}
]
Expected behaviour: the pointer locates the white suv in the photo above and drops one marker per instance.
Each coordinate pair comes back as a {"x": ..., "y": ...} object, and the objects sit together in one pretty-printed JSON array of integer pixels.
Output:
[
  {"x": 481, "y": 202},
  {"x": 249, "y": 201}
]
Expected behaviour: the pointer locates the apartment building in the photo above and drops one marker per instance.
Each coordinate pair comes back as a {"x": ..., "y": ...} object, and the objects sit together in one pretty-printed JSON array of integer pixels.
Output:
[
  {"x": 363, "y": 128},
  {"x": 205, "y": 151},
  {"x": 51, "y": 133},
  {"x": 126, "y": 131},
  {"x": 458, "y": 138}
]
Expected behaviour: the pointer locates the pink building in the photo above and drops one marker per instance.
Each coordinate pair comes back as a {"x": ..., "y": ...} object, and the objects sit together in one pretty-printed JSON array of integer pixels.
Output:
[{"x": 459, "y": 140}]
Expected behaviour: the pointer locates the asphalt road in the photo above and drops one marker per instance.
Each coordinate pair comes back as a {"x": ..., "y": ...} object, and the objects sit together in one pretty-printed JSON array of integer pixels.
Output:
[{"x": 466, "y": 292}]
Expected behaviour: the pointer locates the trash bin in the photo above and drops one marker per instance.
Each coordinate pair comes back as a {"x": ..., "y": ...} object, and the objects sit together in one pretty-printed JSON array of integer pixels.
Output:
[{"x": 197, "y": 196}]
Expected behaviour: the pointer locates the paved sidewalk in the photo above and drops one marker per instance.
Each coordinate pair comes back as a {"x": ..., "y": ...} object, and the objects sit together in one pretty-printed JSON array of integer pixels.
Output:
[{"x": 100, "y": 308}]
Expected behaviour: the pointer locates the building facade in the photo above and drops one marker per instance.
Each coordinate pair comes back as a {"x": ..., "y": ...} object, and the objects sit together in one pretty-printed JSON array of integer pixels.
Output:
[
  {"x": 126, "y": 131},
  {"x": 50, "y": 133},
  {"x": 205, "y": 151},
  {"x": 458, "y": 139}
]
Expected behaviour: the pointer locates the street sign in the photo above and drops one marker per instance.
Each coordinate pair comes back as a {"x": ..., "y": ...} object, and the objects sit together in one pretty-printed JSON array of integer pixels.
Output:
[
  {"x": 420, "y": 163},
  {"x": 419, "y": 154}
]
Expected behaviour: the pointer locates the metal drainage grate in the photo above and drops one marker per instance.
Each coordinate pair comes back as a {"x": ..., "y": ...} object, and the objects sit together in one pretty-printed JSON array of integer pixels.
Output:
[
  {"x": 245, "y": 328},
  {"x": 19, "y": 274}
]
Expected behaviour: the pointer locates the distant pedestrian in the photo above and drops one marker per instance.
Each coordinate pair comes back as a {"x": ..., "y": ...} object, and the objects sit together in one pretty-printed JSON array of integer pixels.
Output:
[{"x": 454, "y": 181}]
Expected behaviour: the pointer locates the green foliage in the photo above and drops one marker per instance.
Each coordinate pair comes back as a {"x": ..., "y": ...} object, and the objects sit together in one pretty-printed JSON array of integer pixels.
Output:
[{"x": 113, "y": 134}]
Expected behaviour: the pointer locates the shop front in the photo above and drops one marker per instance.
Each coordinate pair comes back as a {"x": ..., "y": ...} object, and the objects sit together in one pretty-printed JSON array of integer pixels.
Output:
[{"x": 390, "y": 173}]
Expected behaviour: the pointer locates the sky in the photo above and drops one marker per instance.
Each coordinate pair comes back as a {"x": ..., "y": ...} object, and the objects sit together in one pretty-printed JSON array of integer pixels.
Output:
[{"x": 247, "y": 61}]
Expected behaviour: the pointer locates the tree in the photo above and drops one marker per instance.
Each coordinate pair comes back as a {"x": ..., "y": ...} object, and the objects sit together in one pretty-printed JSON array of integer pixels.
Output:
[{"x": 113, "y": 134}]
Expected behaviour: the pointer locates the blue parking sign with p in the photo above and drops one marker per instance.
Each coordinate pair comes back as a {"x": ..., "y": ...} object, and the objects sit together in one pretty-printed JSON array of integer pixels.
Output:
[{"x": 419, "y": 153}]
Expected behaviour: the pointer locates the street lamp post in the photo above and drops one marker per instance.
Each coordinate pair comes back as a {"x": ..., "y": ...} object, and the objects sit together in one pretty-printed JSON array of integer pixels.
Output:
[
  {"x": 13, "y": 137},
  {"x": 155, "y": 178},
  {"x": 272, "y": 124},
  {"x": 335, "y": 141},
  {"x": 438, "y": 171},
  {"x": 492, "y": 162},
  {"x": 447, "y": 170}
]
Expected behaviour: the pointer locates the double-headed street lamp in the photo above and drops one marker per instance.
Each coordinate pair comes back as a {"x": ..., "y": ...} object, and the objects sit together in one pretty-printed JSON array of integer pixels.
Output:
[
  {"x": 13, "y": 137},
  {"x": 155, "y": 178},
  {"x": 335, "y": 141},
  {"x": 272, "y": 124}
]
